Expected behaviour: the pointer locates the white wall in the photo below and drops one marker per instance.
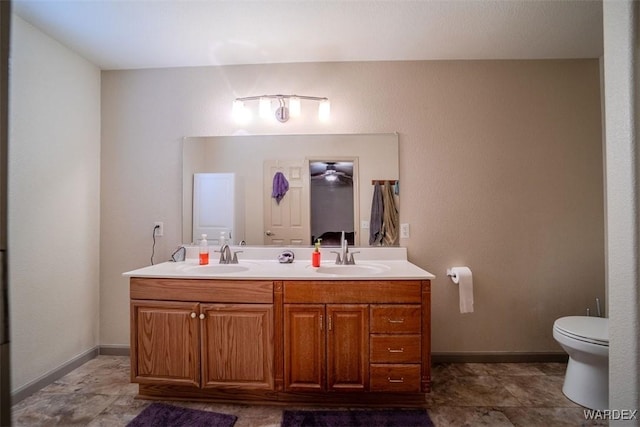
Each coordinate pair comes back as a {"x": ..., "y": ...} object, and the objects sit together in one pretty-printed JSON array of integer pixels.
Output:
[
  {"x": 54, "y": 211},
  {"x": 500, "y": 169},
  {"x": 622, "y": 80}
]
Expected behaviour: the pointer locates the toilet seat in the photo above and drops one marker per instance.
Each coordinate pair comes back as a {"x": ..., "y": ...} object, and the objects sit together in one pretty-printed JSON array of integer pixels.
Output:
[{"x": 593, "y": 330}]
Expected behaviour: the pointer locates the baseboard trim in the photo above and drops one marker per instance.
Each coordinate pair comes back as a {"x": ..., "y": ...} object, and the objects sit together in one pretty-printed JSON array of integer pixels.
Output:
[
  {"x": 115, "y": 350},
  {"x": 500, "y": 357},
  {"x": 51, "y": 376},
  {"x": 55, "y": 374}
]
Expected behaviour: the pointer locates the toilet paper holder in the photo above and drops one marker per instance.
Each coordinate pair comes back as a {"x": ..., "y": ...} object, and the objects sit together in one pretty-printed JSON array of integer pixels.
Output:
[
  {"x": 453, "y": 275},
  {"x": 463, "y": 277}
]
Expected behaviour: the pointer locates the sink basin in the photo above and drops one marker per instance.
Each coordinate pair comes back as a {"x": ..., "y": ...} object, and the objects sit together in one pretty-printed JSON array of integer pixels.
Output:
[
  {"x": 215, "y": 269},
  {"x": 352, "y": 270}
]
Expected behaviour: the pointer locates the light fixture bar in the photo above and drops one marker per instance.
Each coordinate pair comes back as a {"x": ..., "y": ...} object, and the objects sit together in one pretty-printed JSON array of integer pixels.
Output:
[
  {"x": 257, "y": 98},
  {"x": 284, "y": 110}
]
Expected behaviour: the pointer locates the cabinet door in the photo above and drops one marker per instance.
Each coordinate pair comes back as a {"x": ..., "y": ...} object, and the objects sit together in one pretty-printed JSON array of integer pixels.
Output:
[
  {"x": 304, "y": 347},
  {"x": 165, "y": 343},
  {"x": 348, "y": 347},
  {"x": 237, "y": 346}
]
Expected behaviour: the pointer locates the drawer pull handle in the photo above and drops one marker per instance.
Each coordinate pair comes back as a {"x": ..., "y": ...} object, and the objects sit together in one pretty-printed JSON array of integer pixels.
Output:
[
  {"x": 396, "y": 380},
  {"x": 395, "y": 350},
  {"x": 396, "y": 320}
]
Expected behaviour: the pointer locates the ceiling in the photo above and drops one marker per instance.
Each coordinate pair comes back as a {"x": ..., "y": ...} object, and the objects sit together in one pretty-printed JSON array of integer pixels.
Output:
[{"x": 129, "y": 34}]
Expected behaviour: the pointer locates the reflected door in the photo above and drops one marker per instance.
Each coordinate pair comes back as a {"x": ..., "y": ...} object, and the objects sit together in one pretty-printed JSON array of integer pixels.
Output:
[
  {"x": 287, "y": 223},
  {"x": 217, "y": 207}
]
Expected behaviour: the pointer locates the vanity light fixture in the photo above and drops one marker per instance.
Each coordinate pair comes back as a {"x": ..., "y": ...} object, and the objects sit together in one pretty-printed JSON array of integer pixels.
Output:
[{"x": 288, "y": 106}]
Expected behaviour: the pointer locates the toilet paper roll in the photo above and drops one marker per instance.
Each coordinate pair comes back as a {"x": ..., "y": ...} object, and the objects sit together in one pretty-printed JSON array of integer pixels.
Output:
[{"x": 463, "y": 277}]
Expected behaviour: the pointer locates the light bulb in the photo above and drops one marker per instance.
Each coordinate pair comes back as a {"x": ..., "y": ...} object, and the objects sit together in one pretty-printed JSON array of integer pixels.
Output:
[
  {"x": 237, "y": 108},
  {"x": 265, "y": 108},
  {"x": 294, "y": 106},
  {"x": 240, "y": 113},
  {"x": 324, "y": 110},
  {"x": 236, "y": 111}
]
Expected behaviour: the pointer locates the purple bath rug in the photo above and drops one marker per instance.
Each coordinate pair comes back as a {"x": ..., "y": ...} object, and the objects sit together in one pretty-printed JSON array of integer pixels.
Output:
[
  {"x": 356, "y": 418},
  {"x": 163, "y": 415}
]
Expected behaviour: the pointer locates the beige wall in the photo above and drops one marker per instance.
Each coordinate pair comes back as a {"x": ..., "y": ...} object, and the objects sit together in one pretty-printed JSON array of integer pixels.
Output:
[
  {"x": 53, "y": 204},
  {"x": 500, "y": 165}
]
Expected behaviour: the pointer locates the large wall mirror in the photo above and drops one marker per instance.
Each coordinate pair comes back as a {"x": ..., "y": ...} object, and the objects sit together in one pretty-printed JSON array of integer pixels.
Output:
[{"x": 329, "y": 181}]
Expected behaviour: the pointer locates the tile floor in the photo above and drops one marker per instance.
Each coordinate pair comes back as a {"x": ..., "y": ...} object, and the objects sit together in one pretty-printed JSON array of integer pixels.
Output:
[{"x": 473, "y": 394}]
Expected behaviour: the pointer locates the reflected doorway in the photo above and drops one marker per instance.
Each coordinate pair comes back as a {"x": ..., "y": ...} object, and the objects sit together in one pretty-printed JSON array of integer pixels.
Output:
[
  {"x": 287, "y": 223},
  {"x": 333, "y": 191}
]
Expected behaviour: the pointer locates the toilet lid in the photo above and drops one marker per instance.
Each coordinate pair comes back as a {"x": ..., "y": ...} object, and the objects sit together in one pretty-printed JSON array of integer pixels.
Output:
[{"x": 585, "y": 328}]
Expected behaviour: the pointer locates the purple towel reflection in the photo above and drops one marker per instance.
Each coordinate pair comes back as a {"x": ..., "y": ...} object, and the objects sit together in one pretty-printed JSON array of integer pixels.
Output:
[{"x": 280, "y": 186}]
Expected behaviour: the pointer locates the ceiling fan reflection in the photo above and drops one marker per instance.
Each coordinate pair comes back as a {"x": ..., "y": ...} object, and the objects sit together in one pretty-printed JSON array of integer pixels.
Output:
[{"x": 332, "y": 174}]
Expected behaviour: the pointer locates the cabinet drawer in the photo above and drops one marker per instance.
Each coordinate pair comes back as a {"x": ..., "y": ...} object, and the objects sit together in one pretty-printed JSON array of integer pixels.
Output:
[
  {"x": 201, "y": 290},
  {"x": 387, "y": 319},
  {"x": 352, "y": 291},
  {"x": 395, "y": 348},
  {"x": 395, "y": 378}
]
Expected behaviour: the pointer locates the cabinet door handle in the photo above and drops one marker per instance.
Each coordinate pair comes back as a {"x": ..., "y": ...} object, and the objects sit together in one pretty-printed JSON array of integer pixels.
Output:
[
  {"x": 396, "y": 380},
  {"x": 193, "y": 315},
  {"x": 395, "y": 350},
  {"x": 396, "y": 320},
  {"x": 330, "y": 325},
  {"x": 321, "y": 323},
  {"x": 201, "y": 316}
]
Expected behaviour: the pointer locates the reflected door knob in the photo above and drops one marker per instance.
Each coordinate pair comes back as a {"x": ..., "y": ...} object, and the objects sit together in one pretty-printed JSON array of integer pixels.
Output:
[{"x": 269, "y": 233}]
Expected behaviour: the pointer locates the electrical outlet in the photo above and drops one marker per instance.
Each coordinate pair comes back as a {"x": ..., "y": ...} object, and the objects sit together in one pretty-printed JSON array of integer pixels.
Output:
[
  {"x": 158, "y": 231},
  {"x": 364, "y": 224},
  {"x": 404, "y": 231}
]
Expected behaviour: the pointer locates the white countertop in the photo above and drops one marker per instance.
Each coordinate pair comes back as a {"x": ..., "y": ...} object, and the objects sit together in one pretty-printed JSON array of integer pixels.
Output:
[{"x": 261, "y": 264}]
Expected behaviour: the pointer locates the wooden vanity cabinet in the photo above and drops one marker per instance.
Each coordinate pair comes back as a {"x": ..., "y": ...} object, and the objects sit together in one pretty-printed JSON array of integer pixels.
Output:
[
  {"x": 357, "y": 336},
  {"x": 202, "y": 344},
  {"x": 295, "y": 341},
  {"x": 326, "y": 347}
]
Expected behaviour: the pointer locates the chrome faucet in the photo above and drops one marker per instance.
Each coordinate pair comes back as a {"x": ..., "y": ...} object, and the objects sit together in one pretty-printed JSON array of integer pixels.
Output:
[
  {"x": 225, "y": 255},
  {"x": 342, "y": 257}
]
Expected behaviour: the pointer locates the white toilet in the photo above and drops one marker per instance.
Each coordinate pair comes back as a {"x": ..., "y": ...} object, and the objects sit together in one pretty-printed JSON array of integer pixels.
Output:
[{"x": 586, "y": 340}]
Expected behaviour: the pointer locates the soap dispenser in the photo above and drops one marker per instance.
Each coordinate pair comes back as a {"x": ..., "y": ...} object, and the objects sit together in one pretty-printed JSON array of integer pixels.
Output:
[
  {"x": 315, "y": 255},
  {"x": 204, "y": 250}
]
